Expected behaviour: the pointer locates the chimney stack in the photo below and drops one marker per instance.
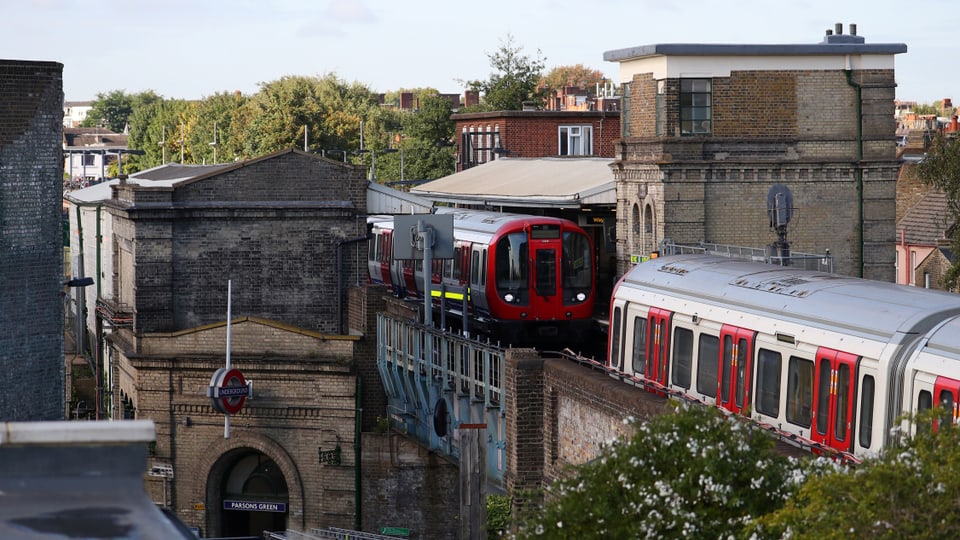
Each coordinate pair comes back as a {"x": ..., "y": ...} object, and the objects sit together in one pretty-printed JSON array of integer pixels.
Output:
[{"x": 838, "y": 29}]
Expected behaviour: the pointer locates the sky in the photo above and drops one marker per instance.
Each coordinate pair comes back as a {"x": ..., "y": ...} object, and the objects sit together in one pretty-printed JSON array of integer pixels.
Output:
[{"x": 190, "y": 49}]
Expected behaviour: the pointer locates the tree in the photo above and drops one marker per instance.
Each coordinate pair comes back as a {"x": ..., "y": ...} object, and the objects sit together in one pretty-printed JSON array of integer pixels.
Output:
[
  {"x": 516, "y": 79},
  {"x": 112, "y": 110},
  {"x": 695, "y": 474},
  {"x": 907, "y": 492},
  {"x": 940, "y": 168},
  {"x": 578, "y": 75}
]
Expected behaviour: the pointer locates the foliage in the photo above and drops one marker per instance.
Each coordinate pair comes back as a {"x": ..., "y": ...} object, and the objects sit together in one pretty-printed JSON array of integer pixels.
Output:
[
  {"x": 516, "y": 79},
  {"x": 578, "y": 75},
  {"x": 498, "y": 516},
  {"x": 693, "y": 474},
  {"x": 112, "y": 110},
  {"x": 907, "y": 492},
  {"x": 940, "y": 168}
]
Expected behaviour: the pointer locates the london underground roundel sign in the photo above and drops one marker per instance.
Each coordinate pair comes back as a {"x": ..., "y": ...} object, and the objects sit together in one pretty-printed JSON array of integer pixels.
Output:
[{"x": 229, "y": 390}]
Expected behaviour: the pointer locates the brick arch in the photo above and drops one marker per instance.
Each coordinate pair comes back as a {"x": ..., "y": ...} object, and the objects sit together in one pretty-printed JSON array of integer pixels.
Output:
[{"x": 212, "y": 454}]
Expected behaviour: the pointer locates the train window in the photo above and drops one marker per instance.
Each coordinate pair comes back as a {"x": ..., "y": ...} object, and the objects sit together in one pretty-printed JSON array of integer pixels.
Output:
[
  {"x": 615, "y": 339},
  {"x": 475, "y": 268},
  {"x": 843, "y": 402},
  {"x": 742, "y": 363},
  {"x": 372, "y": 248},
  {"x": 456, "y": 263},
  {"x": 924, "y": 401},
  {"x": 823, "y": 396},
  {"x": 768, "y": 382},
  {"x": 866, "y": 411},
  {"x": 726, "y": 364},
  {"x": 483, "y": 268},
  {"x": 511, "y": 262},
  {"x": 708, "y": 354},
  {"x": 799, "y": 391},
  {"x": 448, "y": 268},
  {"x": 546, "y": 272},
  {"x": 546, "y": 232},
  {"x": 639, "y": 357},
  {"x": 576, "y": 260},
  {"x": 682, "y": 357}
]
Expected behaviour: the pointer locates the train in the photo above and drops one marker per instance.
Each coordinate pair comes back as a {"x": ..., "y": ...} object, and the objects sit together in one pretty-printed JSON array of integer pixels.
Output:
[
  {"x": 831, "y": 363},
  {"x": 528, "y": 280}
]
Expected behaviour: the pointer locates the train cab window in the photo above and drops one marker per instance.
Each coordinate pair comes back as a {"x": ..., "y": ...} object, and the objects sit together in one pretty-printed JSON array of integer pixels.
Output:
[
  {"x": 456, "y": 264},
  {"x": 924, "y": 401},
  {"x": 483, "y": 268},
  {"x": 546, "y": 272},
  {"x": 511, "y": 262},
  {"x": 372, "y": 247},
  {"x": 708, "y": 354},
  {"x": 800, "y": 391},
  {"x": 768, "y": 382},
  {"x": 946, "y": 403},
  {"x": 682, "y": 357},
  {"x": 576, "y": 257},
  {"x": 639, "y": 357},
  {"x": 866, "y": 412},
  {"x": 615, "y": 339}
]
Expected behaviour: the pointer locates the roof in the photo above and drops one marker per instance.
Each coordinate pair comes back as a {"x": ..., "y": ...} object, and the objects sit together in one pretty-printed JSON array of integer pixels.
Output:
[
  {"x": 93, "y": 137},
  {"x": 552, "y": 182},
  {"x": 927, "y": 221},
  {"x": 162, "y": 176},
  {"x": 79, "y": 480},
  {"x": 725, "y": 49},
  {"x": 176, "y": 171}
]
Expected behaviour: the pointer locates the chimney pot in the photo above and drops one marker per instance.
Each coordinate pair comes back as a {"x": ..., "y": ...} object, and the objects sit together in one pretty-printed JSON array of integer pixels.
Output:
[
  {"x": 853, "y": 29},
  {"x": 829, "y": 32},
  {"x": 838, "y": 28}
]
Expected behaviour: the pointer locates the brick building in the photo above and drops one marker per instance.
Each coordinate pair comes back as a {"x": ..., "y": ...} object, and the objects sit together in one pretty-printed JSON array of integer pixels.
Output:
[
  {"x": 287, "y": 231},
  {"x": 31, "y": 241},
  {"x": 708, "y": 130}
]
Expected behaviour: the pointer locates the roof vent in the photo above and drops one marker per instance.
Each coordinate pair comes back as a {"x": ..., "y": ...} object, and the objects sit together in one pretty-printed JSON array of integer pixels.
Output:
[{"x": 836, "y": 36}]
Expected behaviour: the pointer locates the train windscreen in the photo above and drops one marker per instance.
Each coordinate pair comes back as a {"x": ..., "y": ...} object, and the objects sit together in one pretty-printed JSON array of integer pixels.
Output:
[{"x": 577, "y": 271}]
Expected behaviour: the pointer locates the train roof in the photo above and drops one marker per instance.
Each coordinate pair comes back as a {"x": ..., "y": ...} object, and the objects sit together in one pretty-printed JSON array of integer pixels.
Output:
[
  {"x": 872, "y": 307},
  {"x": 478, "y": 221}
]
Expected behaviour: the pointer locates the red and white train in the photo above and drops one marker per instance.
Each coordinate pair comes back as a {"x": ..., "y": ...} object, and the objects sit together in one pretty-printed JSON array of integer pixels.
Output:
[
  {"x": 830, "y": 361},
  {"x": 531, "y": 279}
]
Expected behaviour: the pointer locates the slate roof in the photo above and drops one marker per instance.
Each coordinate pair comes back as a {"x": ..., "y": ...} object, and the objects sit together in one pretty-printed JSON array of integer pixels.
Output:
[
  {"x": 94, "y": 137},
  {"x": 927, "y": 222}
]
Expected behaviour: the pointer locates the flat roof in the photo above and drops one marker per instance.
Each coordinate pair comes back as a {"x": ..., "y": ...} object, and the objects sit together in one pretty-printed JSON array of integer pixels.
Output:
[
  {"x": 721, "y": 49},
  {"x": 547, "y": 182}
]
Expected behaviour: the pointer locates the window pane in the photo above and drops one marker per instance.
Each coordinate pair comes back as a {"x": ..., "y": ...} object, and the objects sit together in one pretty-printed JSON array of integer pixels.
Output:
[
  {"x": 726, "y": 367},
  {"x": 823, "y": 397},
  {"x": 924, "y": 401},
  {"x": 768, "y": 382},
  {"x": 615, "y": 339},
  {"x": 743, "y": 359},
  {"x": 639, "y": 357},
  {"x": 799, "y": 391},
  {"x": 843, "y": 403},
  {"x": 708, "y": 356},
  {"x": 682, "y": 356},
  {"x": 866, "y": 412},
  {"x": 546, "y": 272}
]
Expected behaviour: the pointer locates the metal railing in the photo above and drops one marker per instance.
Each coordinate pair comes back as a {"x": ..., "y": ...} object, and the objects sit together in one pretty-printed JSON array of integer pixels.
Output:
[{"x": 805, "y": 261}]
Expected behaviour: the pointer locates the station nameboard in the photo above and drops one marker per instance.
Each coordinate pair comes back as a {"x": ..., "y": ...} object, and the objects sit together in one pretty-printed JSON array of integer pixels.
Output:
[{"x": 254, "y": 506}]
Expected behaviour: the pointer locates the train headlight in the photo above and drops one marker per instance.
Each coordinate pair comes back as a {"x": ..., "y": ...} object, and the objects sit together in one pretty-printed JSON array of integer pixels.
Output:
[
  {"x": 509, "y": 298},
  {"x": 581, "y": 297}
]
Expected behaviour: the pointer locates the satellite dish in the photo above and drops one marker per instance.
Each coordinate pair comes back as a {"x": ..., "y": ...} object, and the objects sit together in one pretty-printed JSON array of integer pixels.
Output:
[{"x": 779, "y": 206}]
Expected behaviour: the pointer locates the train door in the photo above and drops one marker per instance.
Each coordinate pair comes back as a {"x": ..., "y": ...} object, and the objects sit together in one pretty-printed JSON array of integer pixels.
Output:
[
  {"x": 833, "y": 403},
  {"x": 736, "y": 354},
  {"x": 947, "y": 392},
  {"x": 659, "y": 345},
  {"x": 544, "y": 251}
]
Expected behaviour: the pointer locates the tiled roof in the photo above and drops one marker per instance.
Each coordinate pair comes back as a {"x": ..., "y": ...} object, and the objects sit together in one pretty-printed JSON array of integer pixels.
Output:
[
  {"x": 927, "y": 221},
  {"x": 94, "y": 137}
]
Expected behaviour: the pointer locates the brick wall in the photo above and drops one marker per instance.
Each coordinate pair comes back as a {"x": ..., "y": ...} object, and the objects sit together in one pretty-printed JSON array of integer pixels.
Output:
[{"x": 31, "y": 241}]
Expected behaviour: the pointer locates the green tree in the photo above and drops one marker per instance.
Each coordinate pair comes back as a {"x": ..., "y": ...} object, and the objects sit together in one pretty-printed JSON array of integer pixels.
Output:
[
  {"x": 907, "y": 492},
  {"x": 113, "y": 109},
  {"x": 940, "y": 168},
  {"x": 693, "y": 474},
  {"x": 578, "y": 75},
  {"x": 155, "y": 128},
  {"x": 515, "y": 80}
]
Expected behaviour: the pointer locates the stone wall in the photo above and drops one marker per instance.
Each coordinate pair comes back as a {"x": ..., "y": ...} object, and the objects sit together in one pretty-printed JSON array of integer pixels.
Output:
[{"x": 31, "y": 241}]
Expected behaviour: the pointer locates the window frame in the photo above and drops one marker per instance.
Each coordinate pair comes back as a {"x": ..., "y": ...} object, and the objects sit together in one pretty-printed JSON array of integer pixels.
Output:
[
  {"x": 696, "y": 106},
  {"x": 579, "y": 143}
]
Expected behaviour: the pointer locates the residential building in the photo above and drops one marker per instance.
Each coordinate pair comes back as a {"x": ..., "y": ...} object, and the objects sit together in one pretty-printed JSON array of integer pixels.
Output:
[
  {"x": 88, "y": 152},
  {"x": 712, "y": 132},
  {"x": 75, "y": 112}
]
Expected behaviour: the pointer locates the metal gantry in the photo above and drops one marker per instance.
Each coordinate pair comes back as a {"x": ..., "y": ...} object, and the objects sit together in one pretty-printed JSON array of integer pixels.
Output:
[{"x": 438, "y": 383}]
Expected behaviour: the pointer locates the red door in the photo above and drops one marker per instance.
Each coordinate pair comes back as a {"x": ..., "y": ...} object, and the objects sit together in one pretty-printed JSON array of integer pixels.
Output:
[
  {"x": 658, "y": 347},
  {"x": 736, "y": 354},
  {"x": 544, "y": 297},
  {"x": 833, "y": 403},
  {"x": 947, "y": 392}
]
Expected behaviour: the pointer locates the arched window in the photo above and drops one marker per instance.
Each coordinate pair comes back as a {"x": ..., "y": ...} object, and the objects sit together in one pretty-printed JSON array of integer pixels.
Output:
[{"x": 649, "y": 241}]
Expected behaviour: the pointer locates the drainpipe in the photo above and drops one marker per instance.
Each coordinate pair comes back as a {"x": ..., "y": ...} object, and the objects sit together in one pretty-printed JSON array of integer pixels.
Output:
[
  {"x": 358, "y": 460},
  {"x": 859, "y": 167}
]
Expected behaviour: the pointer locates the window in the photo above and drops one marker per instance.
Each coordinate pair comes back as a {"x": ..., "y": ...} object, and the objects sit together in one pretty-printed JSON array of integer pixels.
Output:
[
  {"x": 615, "y": 339},
  {"x": 661, "y": 105},
  {"x": 695, "y": 106},
  {"x": 682, "y": 356},
  {"x": 866, "y": 411},
  {"x": 800, "y": 391},
  {"x": 89, "y": 160},
  {"x": 639, "y": 358},
  {"x": 575, "y": 140},
  {"x": 475, "y": 268},
  {"x": 708, "y": 356},
  {"x": 768, "y": 382}
]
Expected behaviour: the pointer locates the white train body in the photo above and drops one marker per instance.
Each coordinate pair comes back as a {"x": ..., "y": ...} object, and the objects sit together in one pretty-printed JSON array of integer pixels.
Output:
[{"x": 829, "y": 361}]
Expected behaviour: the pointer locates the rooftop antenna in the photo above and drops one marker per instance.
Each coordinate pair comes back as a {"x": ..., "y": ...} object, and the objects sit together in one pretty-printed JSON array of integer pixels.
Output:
[{"x": 780, "y": 210}]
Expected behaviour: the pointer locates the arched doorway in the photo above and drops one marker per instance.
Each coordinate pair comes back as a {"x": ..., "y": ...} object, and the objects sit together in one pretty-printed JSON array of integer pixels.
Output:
[{"x": 249, "y": 490}]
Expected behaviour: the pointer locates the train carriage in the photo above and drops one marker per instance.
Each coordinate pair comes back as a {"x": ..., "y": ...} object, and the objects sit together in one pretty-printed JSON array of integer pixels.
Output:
[
  {"x": 530, "y": 280},
  {"x": 829, "y": 360}
]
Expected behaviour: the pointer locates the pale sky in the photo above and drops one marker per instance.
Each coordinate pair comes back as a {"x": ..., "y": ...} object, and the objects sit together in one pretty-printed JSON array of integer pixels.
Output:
[{"x": 194, "y": 48}]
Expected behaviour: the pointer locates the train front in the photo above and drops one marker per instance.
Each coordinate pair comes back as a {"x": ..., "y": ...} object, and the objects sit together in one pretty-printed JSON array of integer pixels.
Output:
[{"x": 544, "y": 284}]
